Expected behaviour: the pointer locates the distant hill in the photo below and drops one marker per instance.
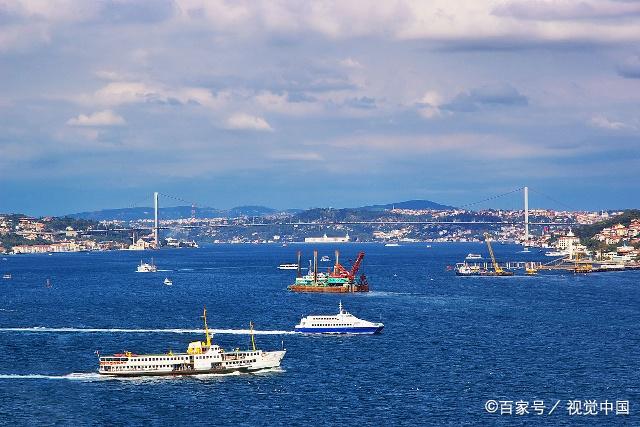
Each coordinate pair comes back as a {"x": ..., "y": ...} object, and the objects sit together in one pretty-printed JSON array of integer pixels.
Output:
[
  {"x": 174, "y": 212},
  {"x": 410, "y": 204},
  {"x": 586, "y": 232},
  {"x": 177, "y": 212}
]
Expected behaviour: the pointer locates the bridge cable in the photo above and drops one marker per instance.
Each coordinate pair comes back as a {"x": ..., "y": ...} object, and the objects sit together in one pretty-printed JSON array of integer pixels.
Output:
[{"x": 497, "y": 196}]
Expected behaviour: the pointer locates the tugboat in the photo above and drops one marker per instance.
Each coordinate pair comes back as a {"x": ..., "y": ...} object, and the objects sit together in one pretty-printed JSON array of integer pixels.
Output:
[
  {"x": 336, "y": 280},
  {"x": 147, "y": 268},
  {"x": 202, "y": 357},
  {"x": 341, "y": 323}
]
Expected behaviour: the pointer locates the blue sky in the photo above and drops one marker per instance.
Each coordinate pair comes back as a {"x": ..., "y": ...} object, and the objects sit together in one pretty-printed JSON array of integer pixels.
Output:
[{"x": 324, "y": 103}]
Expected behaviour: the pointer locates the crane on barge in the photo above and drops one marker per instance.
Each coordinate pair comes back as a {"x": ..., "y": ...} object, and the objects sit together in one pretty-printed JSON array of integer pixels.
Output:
[{"x": 497, "y": 270}]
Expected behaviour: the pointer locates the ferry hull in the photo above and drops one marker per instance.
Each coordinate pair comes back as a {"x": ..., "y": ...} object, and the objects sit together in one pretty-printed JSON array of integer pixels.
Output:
[
  {"x": 270, "y": 360},
  {"x": 184, "y": 372},
  {"x": 368, "y": 330}
]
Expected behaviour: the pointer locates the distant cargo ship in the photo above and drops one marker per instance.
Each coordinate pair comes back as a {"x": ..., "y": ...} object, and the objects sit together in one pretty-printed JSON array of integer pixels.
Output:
[
  {"x": 336, "y": 280},
  {"x": 202, "y": 357},
  {"x": 325, "y": 239}
]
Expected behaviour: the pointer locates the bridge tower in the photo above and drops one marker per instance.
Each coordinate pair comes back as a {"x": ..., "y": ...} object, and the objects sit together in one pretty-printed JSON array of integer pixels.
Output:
[
  {"x": 155, "y": 219},
  {"x": 526, "y": 216}
]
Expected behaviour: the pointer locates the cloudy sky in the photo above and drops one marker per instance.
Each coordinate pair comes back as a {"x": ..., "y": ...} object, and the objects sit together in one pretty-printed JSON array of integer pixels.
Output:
[{"x": 323, "y": 103}]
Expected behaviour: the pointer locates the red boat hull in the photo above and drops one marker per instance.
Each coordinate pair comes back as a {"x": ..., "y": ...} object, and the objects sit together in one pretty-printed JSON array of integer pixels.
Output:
[{"x": 330, "y": 289}]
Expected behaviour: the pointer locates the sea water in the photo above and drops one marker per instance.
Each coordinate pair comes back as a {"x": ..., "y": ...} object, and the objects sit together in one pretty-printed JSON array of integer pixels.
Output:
[{"x": 450, "y": 344}]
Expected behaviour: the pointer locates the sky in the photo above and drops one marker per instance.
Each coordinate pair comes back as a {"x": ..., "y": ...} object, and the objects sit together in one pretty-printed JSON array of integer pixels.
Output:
[{"x": 292, "y": 104}]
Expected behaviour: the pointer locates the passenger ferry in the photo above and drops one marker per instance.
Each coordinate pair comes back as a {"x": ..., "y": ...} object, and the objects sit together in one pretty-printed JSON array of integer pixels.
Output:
[
  {"x": 202, "y": 357},
  {"x": 147, "y": 268},
  {"x": 288, "y": 267},
  {"x": 474, "y": 256},
  {"x": 341, "y": 323}
]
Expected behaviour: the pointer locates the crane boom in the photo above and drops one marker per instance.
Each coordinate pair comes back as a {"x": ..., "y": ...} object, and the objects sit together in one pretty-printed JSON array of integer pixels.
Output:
[
  {"x": 356, "y": 265},
  {"x": 340, "y": 271}
]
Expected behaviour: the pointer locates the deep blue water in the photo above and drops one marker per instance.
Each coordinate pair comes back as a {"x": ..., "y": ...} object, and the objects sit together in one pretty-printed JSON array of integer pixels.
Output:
[{"x": 449, "y": 343}]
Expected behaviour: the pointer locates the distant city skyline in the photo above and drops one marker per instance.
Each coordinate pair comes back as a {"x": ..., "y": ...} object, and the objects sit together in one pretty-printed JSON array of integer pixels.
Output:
[{"x": 296, "y": 105}]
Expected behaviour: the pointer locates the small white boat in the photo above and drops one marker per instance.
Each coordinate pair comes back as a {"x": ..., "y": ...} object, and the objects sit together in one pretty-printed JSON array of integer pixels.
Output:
[
  {"x": 288, "y": 267},
  {"x": 147, "y": 268},
  {"x": 325, "y": 258},
  {"x": 6, "y": 276},
  {"x": 168, "y": 281},
  {"x": 392, "y": 245},
  {"x": 341, "y": 323},
  {"x": 612, "y": 266},
  {"x": 555, "y": 253},
  {"x": 474, "y": 256}
]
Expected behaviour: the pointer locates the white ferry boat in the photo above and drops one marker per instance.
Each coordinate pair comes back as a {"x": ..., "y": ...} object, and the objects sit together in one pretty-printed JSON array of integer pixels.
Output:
[
  {"x": 147, "y": 268},
  {"x": 474, "y": 256},
  {"x": 288, "y": 267},
  {"x": 341, "y": 323},
  {"x": 202, "y": 357},
  {"x": 325, "y": 258},
  {"x": 556, "y": 253}
]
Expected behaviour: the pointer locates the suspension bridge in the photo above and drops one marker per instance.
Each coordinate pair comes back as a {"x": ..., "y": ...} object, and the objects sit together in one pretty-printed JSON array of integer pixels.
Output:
[{"x": 525, "y": 222}]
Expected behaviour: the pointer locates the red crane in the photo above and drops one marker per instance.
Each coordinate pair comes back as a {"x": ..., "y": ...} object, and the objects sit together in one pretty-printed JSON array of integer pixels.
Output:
[{"x": 340, "y": 271}]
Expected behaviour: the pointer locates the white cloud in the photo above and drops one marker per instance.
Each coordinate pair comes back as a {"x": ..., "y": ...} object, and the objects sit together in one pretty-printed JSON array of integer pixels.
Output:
[
  {"x": 429, "y": 105},
  {"x": 436, "y": 20},
  {"x": 100, "y": 118},
  {"x": 308, "y": 156},
  {"x": 602, "y": 122},
  {"x": 129, "y": 92},
  {"x": 472, "y": 145},
  {"x": 280, "y": 103},
  {"x": 445, "y": 21},
  {"x": 248, "y": 122},
  {"x": 350, "y": 63}
]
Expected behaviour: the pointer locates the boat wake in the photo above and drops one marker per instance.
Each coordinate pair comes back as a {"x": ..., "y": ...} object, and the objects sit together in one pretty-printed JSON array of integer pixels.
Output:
[
  {"x": 41, "y": 329},
  {"x": 388, "y": 294},
  {"x": 74, "y": 376},
  {"x": 94, "y": 376}
]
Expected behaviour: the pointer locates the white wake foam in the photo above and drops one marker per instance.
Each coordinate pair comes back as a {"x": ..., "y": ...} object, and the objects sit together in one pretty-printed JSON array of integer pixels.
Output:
[
  {"x": 42, "y": 329},
  {"x": 94, "y": 376},
  {"x": 74, "y": 376}
]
